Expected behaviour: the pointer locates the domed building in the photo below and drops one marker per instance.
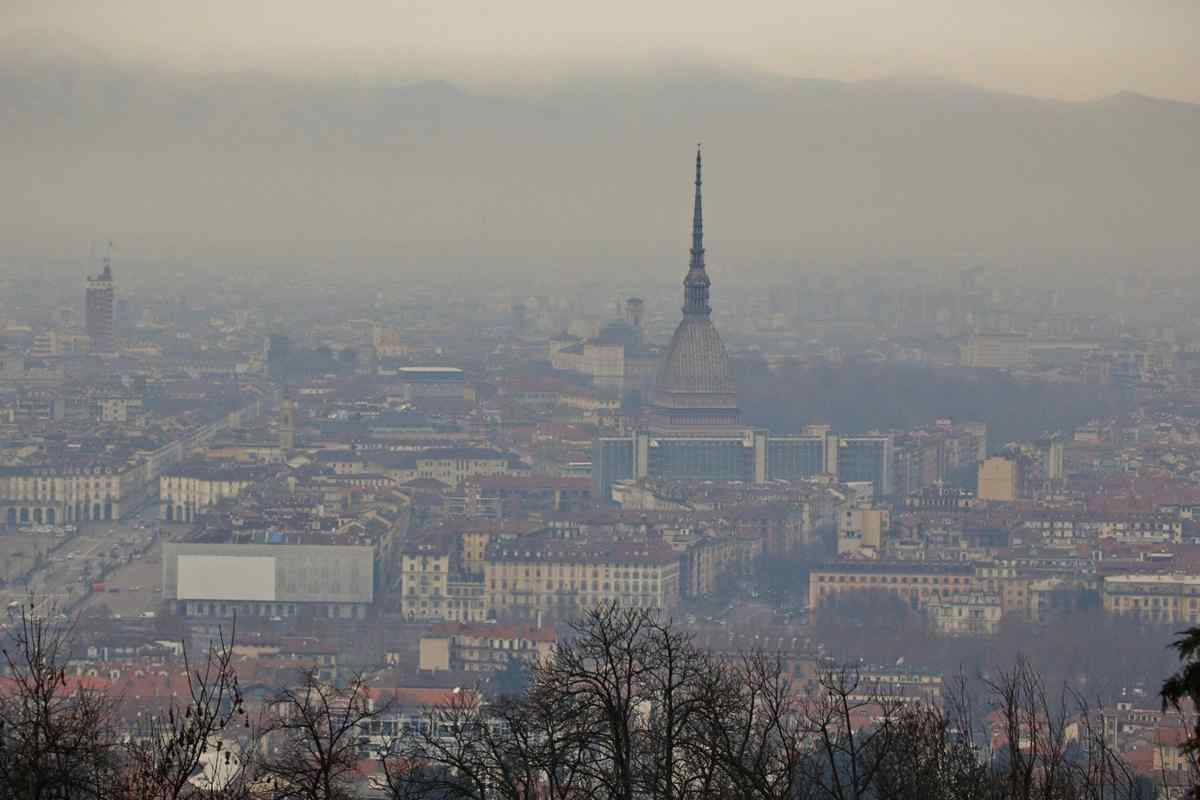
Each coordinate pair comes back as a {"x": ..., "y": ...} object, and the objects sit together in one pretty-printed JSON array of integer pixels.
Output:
[
  {"x": 616, "y": 360},
  {"x": 694, "y": 386},
  {"x": 694, "y": 433}
]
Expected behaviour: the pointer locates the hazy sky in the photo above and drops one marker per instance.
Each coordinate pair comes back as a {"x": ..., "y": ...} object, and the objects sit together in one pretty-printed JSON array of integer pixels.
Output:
[{"x": 1073, "y": 49}]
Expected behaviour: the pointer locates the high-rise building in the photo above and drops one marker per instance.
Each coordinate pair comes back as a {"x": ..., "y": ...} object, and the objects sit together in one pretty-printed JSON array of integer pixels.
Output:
[
  {"x": 635, "y": 309},
  {"x": 999, "y": 479},
  {"x": 1051, "y": 451},
  {"x": 866, "y": 458},
  {"x": 98, "y": 310},
  {"x": 996, "y": 350},
  {"x": 287, "y": 425}
]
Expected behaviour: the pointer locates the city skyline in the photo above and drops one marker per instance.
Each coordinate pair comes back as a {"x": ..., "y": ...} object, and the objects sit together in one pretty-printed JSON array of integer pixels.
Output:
[{"x": 432, "y": 417}]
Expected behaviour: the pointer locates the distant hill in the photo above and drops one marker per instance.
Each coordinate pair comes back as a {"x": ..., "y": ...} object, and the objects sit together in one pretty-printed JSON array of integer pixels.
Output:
[{"x": 799, "y": 172}]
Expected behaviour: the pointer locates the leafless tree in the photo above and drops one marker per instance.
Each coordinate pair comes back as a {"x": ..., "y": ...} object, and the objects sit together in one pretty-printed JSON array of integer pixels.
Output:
[
  {"x": 1101, "y": 773},
  {"x": 644, "y": 696},
  {"x": 602, "y": 672},
  {"x": 933, "y": 753},
  {"x": 312, "y": 738},
  {"x": 1033, "y": 732},
  {"x": 674, "y": 760},
  {"x": 1053, "y": 749},
  {"x": 450, "y": 752},
  {"x": 163, "y": 758},
  {"x": 619, "y": 711},
  {"x": 756, "y": 729},
  {"x": 517, "y": 749},
  {"x": 852, "y": 727},
  {"x": 55, "y": 735},
  {"x": 546, "y": 744},
  {"x": 627, "y": 707}
]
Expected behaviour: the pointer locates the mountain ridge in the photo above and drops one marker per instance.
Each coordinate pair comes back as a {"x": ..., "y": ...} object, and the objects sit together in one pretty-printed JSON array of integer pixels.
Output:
[{"x": 801, "y": 171}]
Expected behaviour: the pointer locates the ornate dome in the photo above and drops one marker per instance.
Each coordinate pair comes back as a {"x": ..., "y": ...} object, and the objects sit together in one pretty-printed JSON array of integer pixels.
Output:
[
  {"x": 695, "y": 370},
  {"x": 695, "y": 385}
]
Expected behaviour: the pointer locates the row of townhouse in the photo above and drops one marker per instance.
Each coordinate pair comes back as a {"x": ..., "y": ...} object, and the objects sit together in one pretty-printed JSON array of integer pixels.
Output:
[
  {"x": 960, "y": 597},
  {"x": 189, "y": 489},
  {"x": 448, "y": 465},
  {"x": 1166, "y": 598},
  {"x": 483, "y": 647},
  {"x": 1075, "y": 526},
  {"x": 537, "y": 576}
]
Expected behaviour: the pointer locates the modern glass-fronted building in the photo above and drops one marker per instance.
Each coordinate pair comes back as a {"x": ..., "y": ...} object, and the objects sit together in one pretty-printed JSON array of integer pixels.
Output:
[{"x": 748, "y": 455}]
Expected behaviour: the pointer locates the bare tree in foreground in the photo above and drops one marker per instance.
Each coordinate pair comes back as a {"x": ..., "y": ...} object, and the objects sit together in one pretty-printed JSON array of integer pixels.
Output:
[
  {"x": 211, "y": 725},
  {"x": 1054, "y": 749},
  {"x": 516, "y": 749},
  {"x": 626, "y": 709},
  {"x": 312, "y": 738},
  {"x": 629, "y": 709},
  {"x": 61, "y": 738},
  {"x": 55, "y": 736}
]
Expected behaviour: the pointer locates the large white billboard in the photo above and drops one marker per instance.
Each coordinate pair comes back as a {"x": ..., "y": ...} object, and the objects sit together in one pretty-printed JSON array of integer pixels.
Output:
[{"x": 226, "y": 578}]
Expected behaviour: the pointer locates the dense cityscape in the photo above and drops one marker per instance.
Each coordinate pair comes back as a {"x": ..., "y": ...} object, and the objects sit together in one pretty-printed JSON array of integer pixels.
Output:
[{"x": 403, "y": 495}]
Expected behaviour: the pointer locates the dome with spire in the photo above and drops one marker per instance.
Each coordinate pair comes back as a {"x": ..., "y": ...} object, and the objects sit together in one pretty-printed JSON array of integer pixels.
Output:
[
  {"x": 695, "y": 364},
  {"x": 695, "y": 384}
]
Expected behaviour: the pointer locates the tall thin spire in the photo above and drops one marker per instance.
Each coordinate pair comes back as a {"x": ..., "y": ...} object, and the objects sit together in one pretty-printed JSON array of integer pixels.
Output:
[
  {"x": 698, "y": 220},
  {"x": 695, "y": 291}
]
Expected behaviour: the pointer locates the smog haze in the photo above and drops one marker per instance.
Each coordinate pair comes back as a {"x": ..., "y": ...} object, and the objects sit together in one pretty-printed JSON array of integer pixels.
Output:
[{"x": 396, "y": 134}]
